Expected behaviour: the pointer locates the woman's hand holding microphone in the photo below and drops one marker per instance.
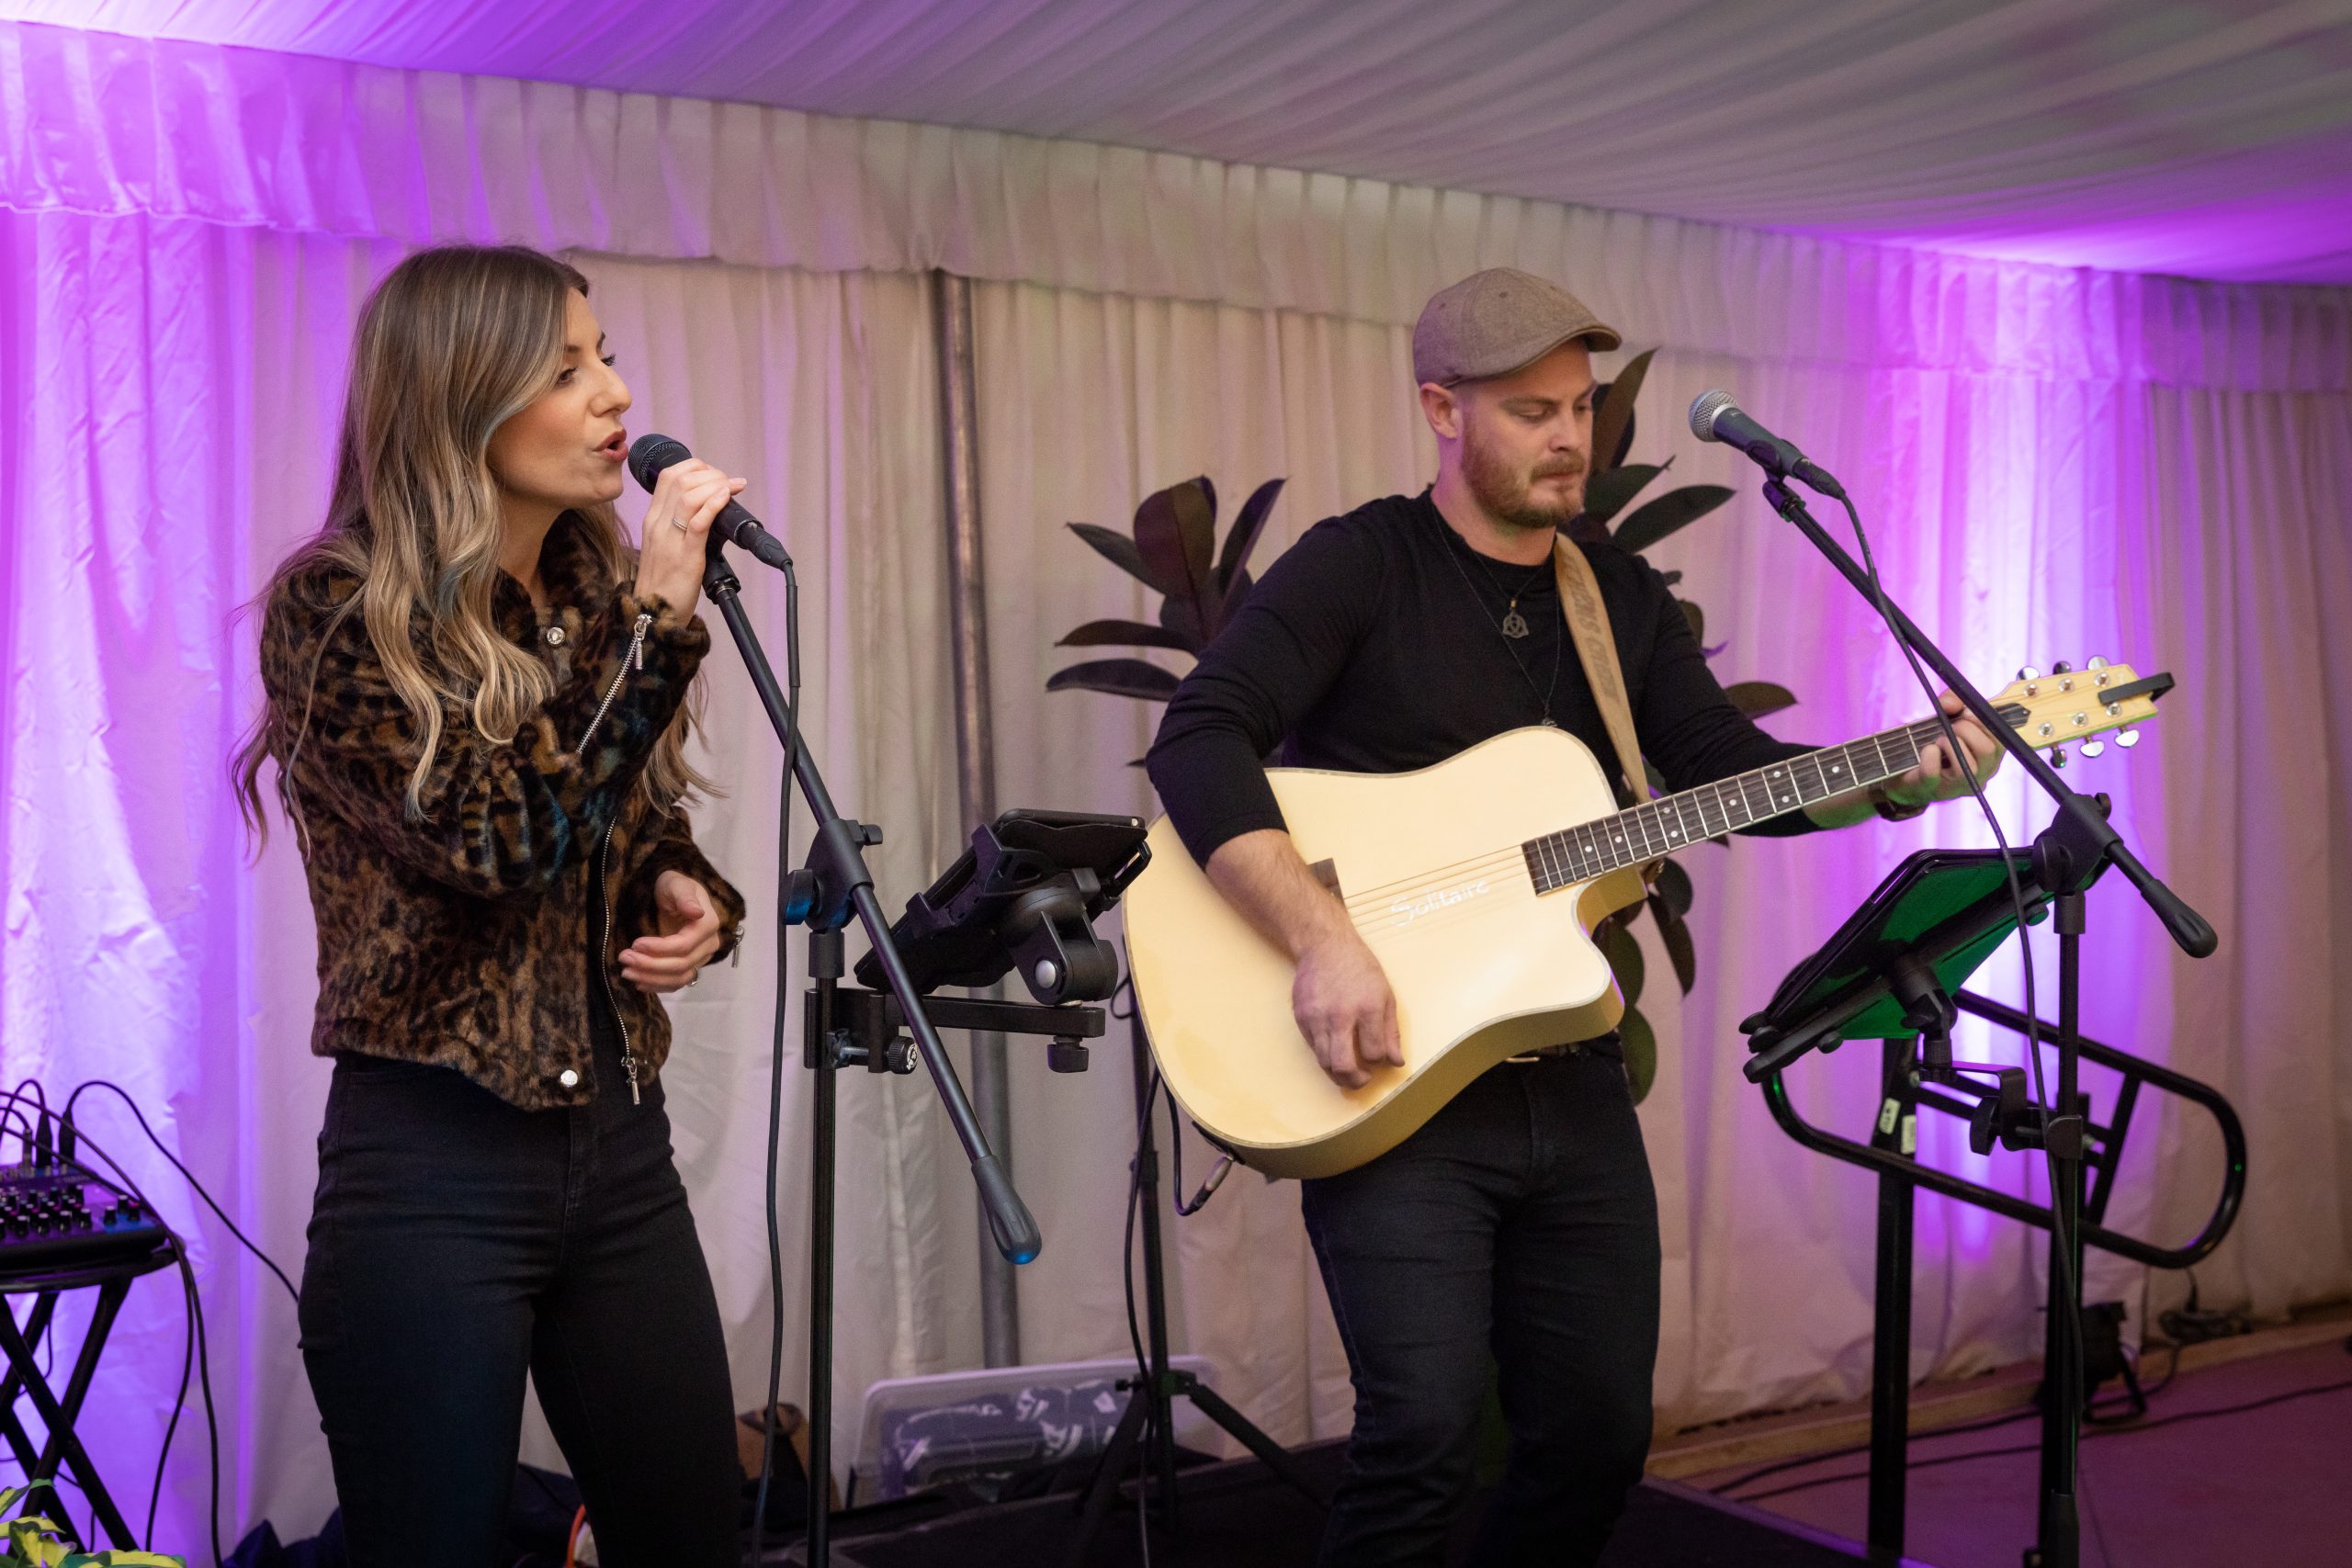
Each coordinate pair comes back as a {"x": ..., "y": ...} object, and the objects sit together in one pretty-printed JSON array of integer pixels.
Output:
[{"x": 687, "y": 497}]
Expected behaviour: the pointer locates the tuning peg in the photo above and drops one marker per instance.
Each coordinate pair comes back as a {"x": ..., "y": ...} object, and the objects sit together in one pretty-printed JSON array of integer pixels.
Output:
[
  {"x": 2062, "y": 668},
  {"x": 2093, "y": 747},
  {"x": 2127, "y": 739},
  {"x": 2097, "y": 662},
  {"x": 2028, "y": 672},
  {"x": 2058, "y": 757}
]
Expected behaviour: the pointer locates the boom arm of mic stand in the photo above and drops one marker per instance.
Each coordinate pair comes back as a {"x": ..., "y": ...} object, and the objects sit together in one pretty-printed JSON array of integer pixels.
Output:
[
  {"x": 1008, "y": 1219},
  {"x": 2088, "y": 835}
]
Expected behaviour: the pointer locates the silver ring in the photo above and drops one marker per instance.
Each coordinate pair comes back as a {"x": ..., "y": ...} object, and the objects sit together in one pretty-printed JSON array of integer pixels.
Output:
[
  {"x": 680, "y": 527},
  {"x": 697, "y": 980}
]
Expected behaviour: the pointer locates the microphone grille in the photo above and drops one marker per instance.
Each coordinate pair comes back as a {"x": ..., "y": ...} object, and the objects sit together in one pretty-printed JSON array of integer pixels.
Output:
[
  {"x": 648, "y": 455},
  {"x": 1704, "y": 410}
]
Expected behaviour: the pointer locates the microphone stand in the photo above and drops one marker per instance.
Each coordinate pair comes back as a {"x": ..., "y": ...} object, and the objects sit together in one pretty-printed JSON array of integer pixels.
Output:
[
  {"x": 834, "y": 885},
  {"x": 2068, "y": 855}
]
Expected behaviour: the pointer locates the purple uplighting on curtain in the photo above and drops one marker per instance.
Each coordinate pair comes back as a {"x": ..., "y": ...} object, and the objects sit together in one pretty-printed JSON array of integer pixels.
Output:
[{"x": 2054, "y": 465}]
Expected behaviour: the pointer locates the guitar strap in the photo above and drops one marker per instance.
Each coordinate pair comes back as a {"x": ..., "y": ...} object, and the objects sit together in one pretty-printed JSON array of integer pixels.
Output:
[{"x": 1588, "y": 620}]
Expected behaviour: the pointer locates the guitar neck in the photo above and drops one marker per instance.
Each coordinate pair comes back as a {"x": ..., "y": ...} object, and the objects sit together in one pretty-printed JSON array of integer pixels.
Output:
[{"x": 1651, "y": 832}]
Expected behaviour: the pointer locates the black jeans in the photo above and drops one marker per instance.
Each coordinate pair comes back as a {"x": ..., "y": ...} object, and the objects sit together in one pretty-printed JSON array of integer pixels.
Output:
[
  {"x": 1520, "y": 1223},
  {"x": 457, "y": 1242}
]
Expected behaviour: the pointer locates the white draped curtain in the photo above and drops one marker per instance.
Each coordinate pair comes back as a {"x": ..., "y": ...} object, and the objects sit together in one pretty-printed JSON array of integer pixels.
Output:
[{"x": 2055, "y": 463}]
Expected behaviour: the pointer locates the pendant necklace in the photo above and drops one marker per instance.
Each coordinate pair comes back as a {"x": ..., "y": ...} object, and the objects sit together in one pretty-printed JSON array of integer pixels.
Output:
[{"x": 1514, "y": 627}]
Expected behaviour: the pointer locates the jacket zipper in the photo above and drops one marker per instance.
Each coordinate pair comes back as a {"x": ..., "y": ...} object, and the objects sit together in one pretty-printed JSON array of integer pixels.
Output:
[
  {"x": 605, "y": 972},
  {"x": 634, "y": 659}
]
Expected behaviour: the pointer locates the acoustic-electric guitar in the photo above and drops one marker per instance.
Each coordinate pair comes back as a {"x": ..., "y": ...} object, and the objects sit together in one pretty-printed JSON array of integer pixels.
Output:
[{"x": 1478, "y": 882}]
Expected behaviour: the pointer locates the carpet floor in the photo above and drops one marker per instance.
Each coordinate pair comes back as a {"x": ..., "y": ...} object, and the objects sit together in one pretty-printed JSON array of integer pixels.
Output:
[{"x": 2245, "y": 1463}]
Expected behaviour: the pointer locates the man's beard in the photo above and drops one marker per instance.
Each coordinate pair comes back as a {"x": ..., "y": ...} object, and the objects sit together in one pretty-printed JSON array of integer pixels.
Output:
[{"x": 1507, "y": 497}]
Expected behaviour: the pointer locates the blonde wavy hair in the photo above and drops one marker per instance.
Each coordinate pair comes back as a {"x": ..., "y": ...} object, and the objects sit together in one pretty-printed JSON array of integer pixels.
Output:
[{"x": 453, "y": 343}]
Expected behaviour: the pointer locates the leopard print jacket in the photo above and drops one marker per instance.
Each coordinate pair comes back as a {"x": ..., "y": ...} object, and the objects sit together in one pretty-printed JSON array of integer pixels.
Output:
[{"x": 459, "y": 935}]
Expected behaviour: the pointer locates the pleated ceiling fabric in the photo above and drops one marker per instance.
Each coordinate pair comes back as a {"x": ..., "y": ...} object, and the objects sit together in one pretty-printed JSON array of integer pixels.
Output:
[
  {"x": 99, "y": 123},
  {"x": 2159, "y": 136}
]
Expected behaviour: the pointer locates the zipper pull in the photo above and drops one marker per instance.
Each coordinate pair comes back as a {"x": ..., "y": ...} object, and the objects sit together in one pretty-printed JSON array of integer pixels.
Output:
[
  {"x": 637, "y": 643},
  {"x": 628, "y": 1066}
]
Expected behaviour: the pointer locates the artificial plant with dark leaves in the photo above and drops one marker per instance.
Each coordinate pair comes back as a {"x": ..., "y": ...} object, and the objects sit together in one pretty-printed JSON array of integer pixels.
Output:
[
  {"x": 1174, "y": 550},
  {"x": 1612, "y": 486}
]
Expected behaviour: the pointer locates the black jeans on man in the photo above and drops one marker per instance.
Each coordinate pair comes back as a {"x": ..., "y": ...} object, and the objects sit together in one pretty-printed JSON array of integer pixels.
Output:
[
  {"x": 1519, "y": 1223},
  {"x": 457, "y": 1242}
]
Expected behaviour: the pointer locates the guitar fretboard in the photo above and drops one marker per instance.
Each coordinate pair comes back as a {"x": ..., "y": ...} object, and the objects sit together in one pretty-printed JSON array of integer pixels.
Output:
[{"x": 1671, "y": 822}]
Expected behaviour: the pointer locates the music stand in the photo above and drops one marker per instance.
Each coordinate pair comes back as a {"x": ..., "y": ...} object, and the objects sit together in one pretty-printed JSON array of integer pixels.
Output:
[
  {"x": 1891, "y": 971},
  {"x": 1889, "y": 974}
]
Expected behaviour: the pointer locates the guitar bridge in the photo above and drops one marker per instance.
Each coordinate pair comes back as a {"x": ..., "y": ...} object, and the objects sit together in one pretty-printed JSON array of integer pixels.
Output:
[{"x": 1326, "y": 872}]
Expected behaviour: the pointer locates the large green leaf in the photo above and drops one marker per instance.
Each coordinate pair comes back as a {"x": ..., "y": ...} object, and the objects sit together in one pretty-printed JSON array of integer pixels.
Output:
[
  {"x": 1606, "y": 494},
  {"x": 1237, "y": 593},
  {"x": 1677, "y": 939},
  {"x": 1123, "y": 634},
  {"x": 1624, "y": 956},
  {"x": 1119, "y": 550},
  {"x": 1243, "y": 537},
  {"x": 1673, "y": 885},
  {"x": 1176, "y": 533},
  {"x": 1756, "y": 698},
  {"x": 1117, "y": 677},
  {"x": 1182, "y": 620},
  {"x": 1675, "y": 509},
  {"x": 1613, "y": 417},
  {"x": 1641, "y": 1052}
]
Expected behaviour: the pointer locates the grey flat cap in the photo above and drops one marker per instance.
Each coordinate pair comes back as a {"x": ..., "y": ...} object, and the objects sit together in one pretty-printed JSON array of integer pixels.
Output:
[{"x": 1494, "y": 322}]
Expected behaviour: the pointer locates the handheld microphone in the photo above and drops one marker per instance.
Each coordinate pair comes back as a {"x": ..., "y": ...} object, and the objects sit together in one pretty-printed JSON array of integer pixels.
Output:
[
  {"x": 1714, "y": 417},
  {"x": 648, "y": 455}
]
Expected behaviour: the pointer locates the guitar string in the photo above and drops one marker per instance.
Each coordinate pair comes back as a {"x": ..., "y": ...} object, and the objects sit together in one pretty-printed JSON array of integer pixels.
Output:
[
  {"x": 1499, "y": 858},
  {"x": 1925, "y": 730}
]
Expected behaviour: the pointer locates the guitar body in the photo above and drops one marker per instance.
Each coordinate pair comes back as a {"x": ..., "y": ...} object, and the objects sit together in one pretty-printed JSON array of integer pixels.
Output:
[
  {"x": 1429, "y": 862},
  {"x": 1435, "y": 869}
]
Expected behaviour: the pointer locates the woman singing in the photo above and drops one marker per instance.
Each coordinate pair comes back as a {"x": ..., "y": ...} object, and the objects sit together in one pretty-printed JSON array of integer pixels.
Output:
[{"x": 477, "y": 710}]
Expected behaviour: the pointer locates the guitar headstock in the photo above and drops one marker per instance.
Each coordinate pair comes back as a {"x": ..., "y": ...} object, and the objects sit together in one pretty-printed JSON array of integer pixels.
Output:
[{"x": 2069, "y": 705}]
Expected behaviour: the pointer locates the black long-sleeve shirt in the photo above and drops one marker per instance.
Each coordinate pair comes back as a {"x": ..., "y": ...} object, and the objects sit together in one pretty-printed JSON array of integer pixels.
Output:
[{"x": 1373, "y": 645}]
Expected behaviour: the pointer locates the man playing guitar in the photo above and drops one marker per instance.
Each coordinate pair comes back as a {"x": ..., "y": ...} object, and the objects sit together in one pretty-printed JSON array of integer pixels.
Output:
[{"x": 1520, "y": 1223}]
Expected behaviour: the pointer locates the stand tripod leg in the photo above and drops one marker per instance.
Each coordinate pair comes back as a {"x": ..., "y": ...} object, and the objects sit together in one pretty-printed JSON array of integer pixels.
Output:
[
  {"x": 825, "y": 967},
  {"x": 1271, "y": 1454},
  {"x": 1117, "y": 1454},
  {"x": 1149, "y": 1417},
  {"x": 1891, "y": 1335},
  {"x": 1155, "y": 1394},
  {"x": 2059, "y": 1533}
]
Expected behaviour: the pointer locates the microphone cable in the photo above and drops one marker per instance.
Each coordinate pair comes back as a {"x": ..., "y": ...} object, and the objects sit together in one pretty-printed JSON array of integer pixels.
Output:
[
  {"x": 2070, "y": 1328},
  {"x": 819, "y": 1490}
]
